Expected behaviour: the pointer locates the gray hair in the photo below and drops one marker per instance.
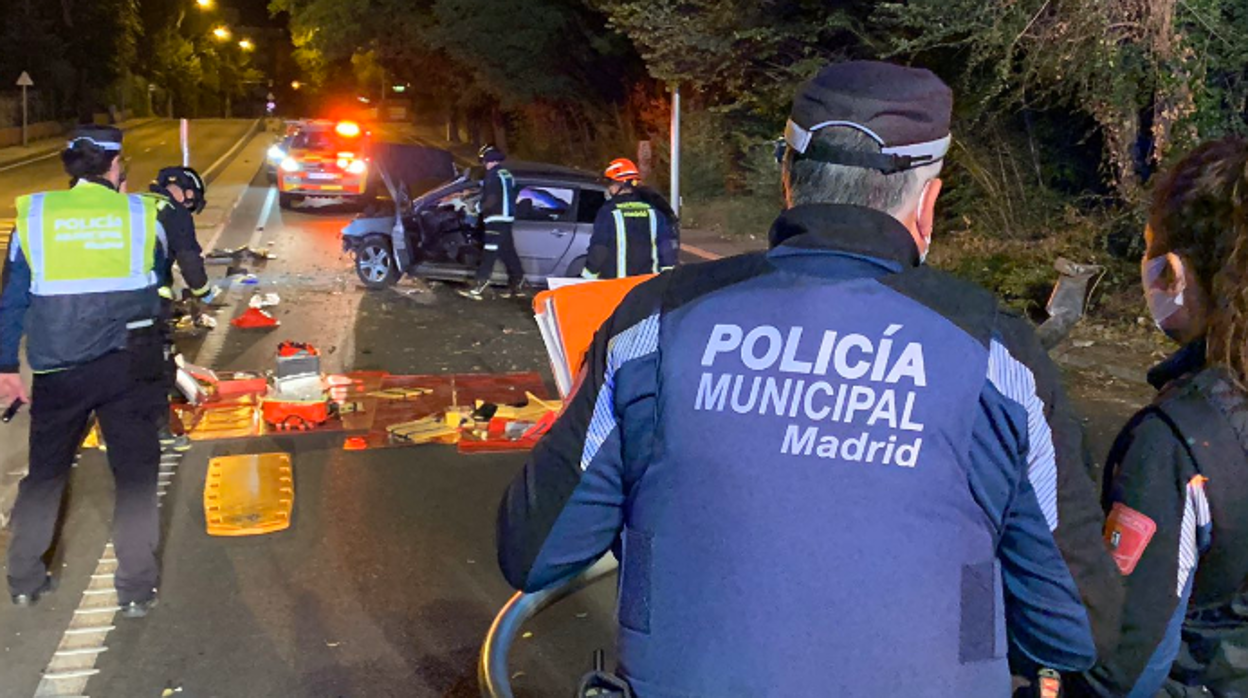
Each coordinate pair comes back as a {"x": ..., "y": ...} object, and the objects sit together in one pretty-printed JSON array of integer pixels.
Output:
[{"x": 812, "y": 182}]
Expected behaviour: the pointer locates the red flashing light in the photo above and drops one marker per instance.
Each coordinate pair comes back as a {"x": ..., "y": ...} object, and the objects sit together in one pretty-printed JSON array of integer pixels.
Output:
[{"x": 347, "y": 129}]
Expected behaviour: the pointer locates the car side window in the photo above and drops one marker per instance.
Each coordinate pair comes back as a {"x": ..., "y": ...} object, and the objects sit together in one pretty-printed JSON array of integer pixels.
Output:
[
  {"x": 591, "y": 201},
  {"x": 543, "y": 203}
]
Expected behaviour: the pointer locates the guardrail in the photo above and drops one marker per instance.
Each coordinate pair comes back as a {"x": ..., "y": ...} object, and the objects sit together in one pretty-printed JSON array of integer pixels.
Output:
[{"x": 493, "y": 676}]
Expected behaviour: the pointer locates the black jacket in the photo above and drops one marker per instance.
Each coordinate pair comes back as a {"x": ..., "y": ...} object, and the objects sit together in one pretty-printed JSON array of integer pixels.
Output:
[
  {"x": 183, "y": 246},
  {"x": 1177, "y": 497}
]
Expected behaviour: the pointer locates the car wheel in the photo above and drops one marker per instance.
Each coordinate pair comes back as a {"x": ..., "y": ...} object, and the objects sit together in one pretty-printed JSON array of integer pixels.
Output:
[
  {"x": 374, "y": 263},
  {"x": 287, "y": 200},
  {"x": 576, "y": 267}
]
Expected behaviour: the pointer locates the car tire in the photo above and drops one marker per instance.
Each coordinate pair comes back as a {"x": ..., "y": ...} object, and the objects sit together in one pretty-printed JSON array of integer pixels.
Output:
[
  {"x": 287, "y": 200},
  {"x": 576, "y": 267},
  {"x": 374, "y": 263}
]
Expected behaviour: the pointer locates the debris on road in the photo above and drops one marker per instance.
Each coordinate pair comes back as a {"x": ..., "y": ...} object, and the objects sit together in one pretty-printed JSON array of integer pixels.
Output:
[
  {"x": 238, "y": 255},
  {"x": 264, "y": 300}
]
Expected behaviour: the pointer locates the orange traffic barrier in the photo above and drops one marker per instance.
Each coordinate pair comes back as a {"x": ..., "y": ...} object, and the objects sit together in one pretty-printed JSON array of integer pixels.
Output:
[{"x": 249, "y": 495}]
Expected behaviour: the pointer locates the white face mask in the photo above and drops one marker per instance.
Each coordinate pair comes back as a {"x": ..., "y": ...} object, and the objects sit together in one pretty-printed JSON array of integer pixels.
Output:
[{"x": 1162, "y": 302}]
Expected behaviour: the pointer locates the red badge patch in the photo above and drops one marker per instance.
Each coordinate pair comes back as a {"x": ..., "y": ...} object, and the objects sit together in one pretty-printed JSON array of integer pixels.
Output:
[{"x": 1128, "y": 533}]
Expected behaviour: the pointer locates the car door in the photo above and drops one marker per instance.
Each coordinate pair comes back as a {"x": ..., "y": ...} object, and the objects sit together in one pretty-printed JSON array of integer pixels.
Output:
[
  {"x": 545, "y": 225},
  {"x": 589, "y": 201}
]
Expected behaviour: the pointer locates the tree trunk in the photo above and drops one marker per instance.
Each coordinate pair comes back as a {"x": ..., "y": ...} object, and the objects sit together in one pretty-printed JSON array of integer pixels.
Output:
[
  {"x": 499, "y": 126},
  {"x": 473, "y": 122},
  {"x": 452, "y": 125},
  {"x": 1121, "y": 129}
]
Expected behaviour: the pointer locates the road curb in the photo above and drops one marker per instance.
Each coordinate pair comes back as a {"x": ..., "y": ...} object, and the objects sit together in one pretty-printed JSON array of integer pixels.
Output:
[{"x": 210, "y": 236}]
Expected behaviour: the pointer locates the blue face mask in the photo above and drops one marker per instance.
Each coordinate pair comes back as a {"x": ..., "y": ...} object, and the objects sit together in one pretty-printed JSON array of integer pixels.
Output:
[{"x": 1163, "y": 303}]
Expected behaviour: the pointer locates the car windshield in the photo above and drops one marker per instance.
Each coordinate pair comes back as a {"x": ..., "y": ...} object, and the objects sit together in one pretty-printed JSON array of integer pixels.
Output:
[{"x": 317, "y": 140}]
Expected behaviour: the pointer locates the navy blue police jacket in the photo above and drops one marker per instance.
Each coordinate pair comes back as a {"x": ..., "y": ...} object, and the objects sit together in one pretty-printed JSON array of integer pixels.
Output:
[{"x": 827, "y": 470}]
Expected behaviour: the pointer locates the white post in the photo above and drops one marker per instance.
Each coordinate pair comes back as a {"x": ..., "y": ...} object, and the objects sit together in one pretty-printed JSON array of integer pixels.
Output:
[
  {"x": 186, "y": 143},
  {"x": 676, "y": 149},
  {"x": 24, "y": 115}
]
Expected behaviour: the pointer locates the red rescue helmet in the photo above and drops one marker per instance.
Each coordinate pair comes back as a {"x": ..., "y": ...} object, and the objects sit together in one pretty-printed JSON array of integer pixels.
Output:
[{"x": 622, "y": 170}]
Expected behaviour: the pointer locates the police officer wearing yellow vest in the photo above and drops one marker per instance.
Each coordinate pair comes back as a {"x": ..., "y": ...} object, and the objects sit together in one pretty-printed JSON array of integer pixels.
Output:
[
  {"x": 80, "y": 280},
  {"x": 630, "y": 236}
]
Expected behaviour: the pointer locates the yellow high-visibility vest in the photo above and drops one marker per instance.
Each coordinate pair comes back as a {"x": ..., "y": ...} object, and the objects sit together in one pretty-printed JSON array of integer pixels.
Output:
[{"x": 88, "y": 239}]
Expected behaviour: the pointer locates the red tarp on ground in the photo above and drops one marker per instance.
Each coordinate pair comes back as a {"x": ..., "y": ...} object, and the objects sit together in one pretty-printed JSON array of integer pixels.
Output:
[{"x": 367, "y": 416}]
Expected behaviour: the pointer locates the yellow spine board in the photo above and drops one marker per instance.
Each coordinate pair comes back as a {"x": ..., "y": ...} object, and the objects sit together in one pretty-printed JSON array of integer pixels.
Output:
[{"x": 249, "y": 495}]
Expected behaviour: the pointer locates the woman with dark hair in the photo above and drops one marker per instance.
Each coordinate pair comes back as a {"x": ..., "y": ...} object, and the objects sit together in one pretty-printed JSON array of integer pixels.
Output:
[{"x": 1176, "y": 491}]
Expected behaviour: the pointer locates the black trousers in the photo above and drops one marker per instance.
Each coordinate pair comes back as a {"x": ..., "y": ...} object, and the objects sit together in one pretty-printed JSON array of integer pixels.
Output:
[
  {"x": 499, "y": 242},
  {"x": 127, "y": 393}
]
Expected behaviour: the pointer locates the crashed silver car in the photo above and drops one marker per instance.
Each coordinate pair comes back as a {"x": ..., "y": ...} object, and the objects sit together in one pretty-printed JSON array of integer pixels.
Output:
[{"x": 438, "y": 234}]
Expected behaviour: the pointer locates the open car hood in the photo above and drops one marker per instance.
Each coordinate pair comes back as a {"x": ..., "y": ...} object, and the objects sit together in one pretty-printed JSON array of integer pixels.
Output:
[{"x": 409, "y": 170}]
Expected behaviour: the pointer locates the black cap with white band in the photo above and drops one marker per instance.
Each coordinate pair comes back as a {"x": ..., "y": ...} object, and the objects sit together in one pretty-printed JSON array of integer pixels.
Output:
[
  {"x": 906, "y": 111},
  {"x": 106, "y": 138}
]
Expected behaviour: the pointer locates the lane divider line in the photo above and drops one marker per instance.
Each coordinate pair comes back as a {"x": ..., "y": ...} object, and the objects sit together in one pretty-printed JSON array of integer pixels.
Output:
[{"x": 229, "y": 154}]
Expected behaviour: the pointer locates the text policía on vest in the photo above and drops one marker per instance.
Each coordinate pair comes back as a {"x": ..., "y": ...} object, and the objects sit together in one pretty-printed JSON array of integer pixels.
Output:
[
  {"x": 99, "y": 233},
  {"x": 873, "y": 384}
]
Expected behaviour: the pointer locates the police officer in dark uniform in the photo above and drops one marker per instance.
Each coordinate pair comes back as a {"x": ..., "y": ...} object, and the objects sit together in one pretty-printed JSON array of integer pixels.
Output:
[
  {"x": 498, "y": 212},
  {"x": 80, "y": 281},
  {"x": 631, "y": 236},
  {"x": 1177, "y": 477},
  {"x": 826, "y": 469},
  {"x": 180, "y": 193}
]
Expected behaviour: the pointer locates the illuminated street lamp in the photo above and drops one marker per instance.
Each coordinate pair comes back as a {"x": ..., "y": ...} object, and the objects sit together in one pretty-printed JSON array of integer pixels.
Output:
[
  {"x": 245, "y": 44},
  {"x": 295, "y": 84},
  {"x": 222, "y": 33},
  {"x": 204, "y": 4}
]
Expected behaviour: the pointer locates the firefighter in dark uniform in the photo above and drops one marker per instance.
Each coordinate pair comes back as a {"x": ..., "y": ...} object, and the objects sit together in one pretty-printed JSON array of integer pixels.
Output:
[
  {"x": 1177, "y": 477},
  {"x": 826, "y": 469},
  {"x": 180, "y": 193},
  {"x": 631, "y": 236},
  {"x": 80, "y": 281},
  {"x": 498, "y": 212}
]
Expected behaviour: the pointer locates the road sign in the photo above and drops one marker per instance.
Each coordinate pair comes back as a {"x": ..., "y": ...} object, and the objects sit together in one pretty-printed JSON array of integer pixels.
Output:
[{"x": 24, "y": 81}]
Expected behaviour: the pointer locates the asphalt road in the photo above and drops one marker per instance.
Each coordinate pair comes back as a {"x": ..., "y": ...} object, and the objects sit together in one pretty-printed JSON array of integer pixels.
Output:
[
  {"x": 148, "y": 148},
  {"x": 386, "y": 583}
]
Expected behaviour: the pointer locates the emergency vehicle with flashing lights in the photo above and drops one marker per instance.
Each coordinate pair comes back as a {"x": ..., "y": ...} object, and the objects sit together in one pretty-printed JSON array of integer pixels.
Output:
[{"x": 325, "y": 159}]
